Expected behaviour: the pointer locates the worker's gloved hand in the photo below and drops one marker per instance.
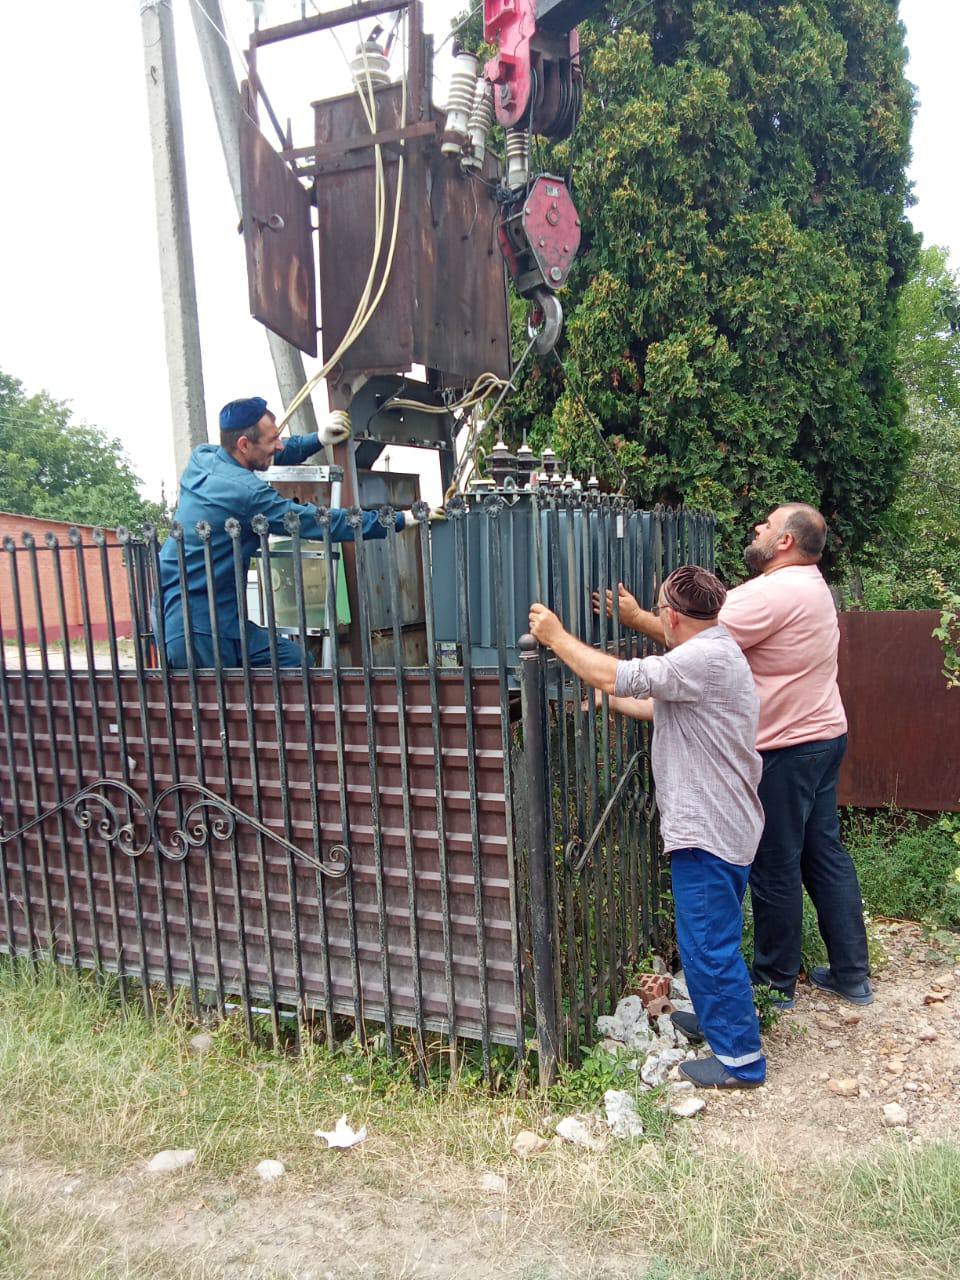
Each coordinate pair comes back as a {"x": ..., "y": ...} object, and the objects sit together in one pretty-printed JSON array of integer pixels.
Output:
[
  {"x": 410, "y": 521},
  {"x": 336, "y": 429}
]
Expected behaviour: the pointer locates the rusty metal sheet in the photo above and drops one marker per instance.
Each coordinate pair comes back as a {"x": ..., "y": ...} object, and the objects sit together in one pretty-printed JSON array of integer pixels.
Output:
[
  {"x": 904, "y": 741},
  {"x": 278, "y": 237},
  {"x": 445, "y": 305},
  {"x": 204, "y": 916}
]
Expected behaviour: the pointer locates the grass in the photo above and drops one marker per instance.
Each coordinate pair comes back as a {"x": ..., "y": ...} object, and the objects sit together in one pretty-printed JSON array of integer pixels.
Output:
[
  {"x": 905, "y": 863},
  {"x": 82, "y": 1087}
]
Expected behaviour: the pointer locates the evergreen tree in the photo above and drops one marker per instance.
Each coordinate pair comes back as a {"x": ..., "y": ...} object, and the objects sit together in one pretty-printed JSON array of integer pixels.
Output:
[{"x": 739, "y": 169}]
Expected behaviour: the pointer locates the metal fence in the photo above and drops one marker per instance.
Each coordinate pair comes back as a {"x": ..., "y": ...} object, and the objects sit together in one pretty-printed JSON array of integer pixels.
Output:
[{"x": 457, "y": 847}]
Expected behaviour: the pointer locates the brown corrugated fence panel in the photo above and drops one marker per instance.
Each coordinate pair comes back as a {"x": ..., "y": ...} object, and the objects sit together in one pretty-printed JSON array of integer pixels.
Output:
[
  {"x": 904, "y": 723},
  {"x": 48, "y": 863}
]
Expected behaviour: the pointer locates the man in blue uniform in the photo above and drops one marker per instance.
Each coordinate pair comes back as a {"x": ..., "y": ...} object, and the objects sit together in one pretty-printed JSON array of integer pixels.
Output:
[{"x": 221, "y": 481}]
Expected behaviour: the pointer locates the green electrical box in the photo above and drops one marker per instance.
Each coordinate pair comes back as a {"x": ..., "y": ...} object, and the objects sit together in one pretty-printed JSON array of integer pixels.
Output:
[{"x": 283, "y": 587}]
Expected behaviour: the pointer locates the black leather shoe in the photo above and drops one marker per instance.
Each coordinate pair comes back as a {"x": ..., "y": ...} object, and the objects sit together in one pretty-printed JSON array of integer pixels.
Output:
[
  {"x": 859, "y": 993},
  {"x": 710, "y": 1073},
  {"x": 688, "y": 1025}
]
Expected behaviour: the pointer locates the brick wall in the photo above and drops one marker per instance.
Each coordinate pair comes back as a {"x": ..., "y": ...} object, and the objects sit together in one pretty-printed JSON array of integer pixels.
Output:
[{"x": 13, "y": 527}]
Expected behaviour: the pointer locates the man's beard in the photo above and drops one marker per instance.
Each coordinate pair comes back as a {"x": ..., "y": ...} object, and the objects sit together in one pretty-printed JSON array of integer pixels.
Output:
[{"x": 757, "y": 556}]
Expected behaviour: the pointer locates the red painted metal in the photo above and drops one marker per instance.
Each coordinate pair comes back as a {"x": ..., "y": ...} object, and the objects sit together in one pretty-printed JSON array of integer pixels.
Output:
[
  {"x": 65, "y": 872},
  {"x": 510, "y": 25},
  {"x": 904, "y": 723},
  {"x": 543, "y": 239}
]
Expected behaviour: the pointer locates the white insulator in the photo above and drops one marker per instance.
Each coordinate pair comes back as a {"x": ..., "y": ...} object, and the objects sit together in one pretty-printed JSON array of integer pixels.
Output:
[
  {"x": 518, "y": 165},
  {"x": 370, "y": 66},
  {"x": 459, "y": 102},
  {"x": 478, "y": 126}
]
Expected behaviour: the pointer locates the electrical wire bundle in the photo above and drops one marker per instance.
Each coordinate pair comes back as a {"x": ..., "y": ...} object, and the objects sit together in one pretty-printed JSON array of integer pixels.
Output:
[{"x": 366, "y": 306}]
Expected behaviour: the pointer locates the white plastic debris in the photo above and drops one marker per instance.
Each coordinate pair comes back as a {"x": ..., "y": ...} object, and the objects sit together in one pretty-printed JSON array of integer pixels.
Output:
[
  {"x": 572, "y": 1129},
  {"x": 493, "y": 1184},
  {"x": 622, "y": 1114},
  {"x": 658, "y": 1064},
  {"x": 342, "y": 1135},
  {"x": 270, "y": 1170},
  {"x": 171, "y": 1161},
  {"x": 686, "y": 1107}
]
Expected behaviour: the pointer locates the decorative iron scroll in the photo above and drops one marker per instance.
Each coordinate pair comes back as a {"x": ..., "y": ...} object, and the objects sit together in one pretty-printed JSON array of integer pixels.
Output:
[
  {"x": 577, "y": 853},
  {"x": 207, "y": 817}
]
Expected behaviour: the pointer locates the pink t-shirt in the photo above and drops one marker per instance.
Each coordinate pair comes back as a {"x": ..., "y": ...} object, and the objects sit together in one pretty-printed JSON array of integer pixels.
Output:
[{"x": 786, "y": 624}]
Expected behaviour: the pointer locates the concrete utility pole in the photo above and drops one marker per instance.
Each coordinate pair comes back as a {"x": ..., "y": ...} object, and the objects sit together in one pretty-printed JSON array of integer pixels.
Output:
[
  {"x": 177, "y": 282},
  {"x": 225, "y": 96}
]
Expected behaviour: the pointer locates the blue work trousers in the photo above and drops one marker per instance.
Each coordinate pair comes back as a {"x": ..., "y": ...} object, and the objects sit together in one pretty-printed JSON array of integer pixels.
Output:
[
  {"x": 801, "y": 848},
  {"x": 708, "y": 898},
  {"x": 288, "y": 653}
]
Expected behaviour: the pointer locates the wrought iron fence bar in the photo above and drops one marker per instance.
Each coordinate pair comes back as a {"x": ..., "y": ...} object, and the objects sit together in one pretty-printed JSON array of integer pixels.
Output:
[
  {"x": 233, "y": 530},
  {"x": 388, "y": 520},
  {"x": 95, "y": 711},
  {"x": 494, "y": 507},
  {"x": 563, "y": 764},
  {"x": 30, "y": 546},
  {"x": 457, "y": 512},
  {"x": 153, "y": 554},
  {"x": 355, "y": 520},
  {"x": 421, "y": 512},
  {"x": 336, "y": 677},
  {"x": 262, "y": 529},
  {"x": 133, "y": 564},
  {"x": 53, "y": 544},
  {"x": 107, "y": 592},
  {"x": 177, "y": 534},
  {"x": 27, "y": 908},
  {"x": 31, "y": 740},
  {"x": 292, "y": 525},
  {"x": 543, "y": 932},
  {"x": 204, "y": 532}
]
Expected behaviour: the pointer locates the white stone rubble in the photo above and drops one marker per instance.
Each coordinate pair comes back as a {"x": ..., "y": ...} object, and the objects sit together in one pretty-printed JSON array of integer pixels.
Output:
[{"x": 622, "y": 1114}]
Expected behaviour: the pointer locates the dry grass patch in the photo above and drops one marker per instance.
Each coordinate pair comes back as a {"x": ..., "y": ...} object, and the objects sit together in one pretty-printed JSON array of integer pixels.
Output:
[{"x": 83, "y": 1087}]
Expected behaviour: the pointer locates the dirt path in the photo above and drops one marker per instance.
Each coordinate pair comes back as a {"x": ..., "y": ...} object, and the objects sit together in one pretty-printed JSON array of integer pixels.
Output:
[
  {"x": 392, "y": 1213},
  {"x": 904, "y": 1048}
]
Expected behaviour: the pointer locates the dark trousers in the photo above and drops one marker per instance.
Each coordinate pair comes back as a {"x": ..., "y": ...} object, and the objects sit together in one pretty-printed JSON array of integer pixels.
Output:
[
  {"x": 258, "y": 647},
  {"x": 707, "y": 895},
  {"x": 801, "y": 849}
]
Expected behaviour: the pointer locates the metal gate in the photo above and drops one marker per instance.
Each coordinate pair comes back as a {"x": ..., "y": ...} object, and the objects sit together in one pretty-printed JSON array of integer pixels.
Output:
[{"x": 453, "y": 847}]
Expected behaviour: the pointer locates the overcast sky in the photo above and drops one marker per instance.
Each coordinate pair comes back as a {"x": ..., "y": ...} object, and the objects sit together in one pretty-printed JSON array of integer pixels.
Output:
[{"x": 81, "y": 313}]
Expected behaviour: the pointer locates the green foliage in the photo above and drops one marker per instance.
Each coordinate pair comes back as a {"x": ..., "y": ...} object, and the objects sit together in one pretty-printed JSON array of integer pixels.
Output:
[
  {"x": 739, "y": 172},
  {"x": 769, "y": 1006},
  {"x": 53, "y": 468},
  {"x": 922, "y": 531},
  {"x": 906, "y": 864},
  {"x": 948, "y": 632},
  {"x": 582, "y": 1088}
]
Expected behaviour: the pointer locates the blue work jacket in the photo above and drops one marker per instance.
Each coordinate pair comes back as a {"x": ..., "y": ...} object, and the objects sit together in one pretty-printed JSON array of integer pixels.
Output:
[{"x": 213, "y": 488}]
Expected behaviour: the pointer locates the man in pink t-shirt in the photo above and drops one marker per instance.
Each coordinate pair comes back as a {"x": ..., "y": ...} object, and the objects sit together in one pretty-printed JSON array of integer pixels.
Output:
[{"x": 785, "y": 621}]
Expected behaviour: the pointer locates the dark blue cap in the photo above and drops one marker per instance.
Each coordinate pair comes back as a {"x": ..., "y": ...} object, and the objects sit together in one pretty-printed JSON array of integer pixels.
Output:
[{"x": 240, "y": 414}]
